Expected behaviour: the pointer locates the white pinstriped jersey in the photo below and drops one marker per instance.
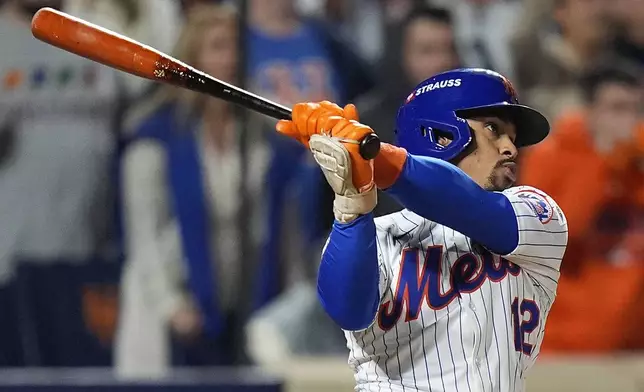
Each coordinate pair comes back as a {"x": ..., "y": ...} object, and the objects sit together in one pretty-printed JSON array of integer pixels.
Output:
[{"x": 453, "y": 316}]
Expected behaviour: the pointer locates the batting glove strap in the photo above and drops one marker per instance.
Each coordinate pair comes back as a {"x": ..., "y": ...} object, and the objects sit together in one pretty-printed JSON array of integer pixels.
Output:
[
  {"x": 335, "y": 162},
  {"x": 348, "y": 208}
]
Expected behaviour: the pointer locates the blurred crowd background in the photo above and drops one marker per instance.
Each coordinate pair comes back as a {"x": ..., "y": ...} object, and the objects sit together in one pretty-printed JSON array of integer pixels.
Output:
[{"x": 145, "y": 227}]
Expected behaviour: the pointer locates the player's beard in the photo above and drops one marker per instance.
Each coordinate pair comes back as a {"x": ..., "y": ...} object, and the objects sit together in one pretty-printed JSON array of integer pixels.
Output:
[
  {"x": 497, "y": 181},
  {"x": 493, "y": 183}
]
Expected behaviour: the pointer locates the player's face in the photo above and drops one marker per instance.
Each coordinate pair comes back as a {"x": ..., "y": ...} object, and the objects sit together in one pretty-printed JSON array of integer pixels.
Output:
[{"x": 492, "y": 160}]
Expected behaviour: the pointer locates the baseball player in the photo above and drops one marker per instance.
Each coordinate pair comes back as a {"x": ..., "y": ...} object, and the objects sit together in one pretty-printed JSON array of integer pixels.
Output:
[{"x": 452, "y": 293}]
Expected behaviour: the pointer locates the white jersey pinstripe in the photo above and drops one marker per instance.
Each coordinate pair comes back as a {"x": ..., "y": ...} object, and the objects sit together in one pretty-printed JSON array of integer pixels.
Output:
[{"x": 453, "y": 316}]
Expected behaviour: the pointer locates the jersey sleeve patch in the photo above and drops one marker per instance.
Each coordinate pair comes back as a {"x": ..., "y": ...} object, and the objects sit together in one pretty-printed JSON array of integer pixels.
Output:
[{"x": 538, "y": 203}]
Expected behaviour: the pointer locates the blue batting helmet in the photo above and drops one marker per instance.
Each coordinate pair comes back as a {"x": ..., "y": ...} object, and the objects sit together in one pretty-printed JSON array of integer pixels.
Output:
[{"x": 441, "y": 104}]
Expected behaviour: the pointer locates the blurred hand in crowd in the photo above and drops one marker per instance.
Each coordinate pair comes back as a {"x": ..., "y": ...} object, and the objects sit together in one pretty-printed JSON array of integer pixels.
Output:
[{"x": 186, "y": 322}]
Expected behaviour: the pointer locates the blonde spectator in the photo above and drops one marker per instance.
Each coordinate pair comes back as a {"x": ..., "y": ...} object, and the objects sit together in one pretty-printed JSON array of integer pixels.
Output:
[{"x": 181, "y": 173}]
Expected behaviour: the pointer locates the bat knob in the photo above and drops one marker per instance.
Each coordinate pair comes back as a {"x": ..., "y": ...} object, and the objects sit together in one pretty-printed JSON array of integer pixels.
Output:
[{"x": 370, "y": 146}]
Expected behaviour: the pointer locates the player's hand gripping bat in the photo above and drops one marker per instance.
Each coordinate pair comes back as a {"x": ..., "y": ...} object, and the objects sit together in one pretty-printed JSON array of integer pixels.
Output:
[{"x": 114, "y": 50}]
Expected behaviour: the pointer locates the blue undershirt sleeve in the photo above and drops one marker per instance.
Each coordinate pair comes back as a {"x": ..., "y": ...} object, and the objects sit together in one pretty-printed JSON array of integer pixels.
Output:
[
  {"x": 443, "y": 193},
  {"x": 349, "y": 275}
]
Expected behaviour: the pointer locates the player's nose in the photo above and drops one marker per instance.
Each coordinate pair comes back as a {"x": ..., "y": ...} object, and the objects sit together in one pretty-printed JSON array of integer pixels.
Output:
[{"x": 507, "y": 148}]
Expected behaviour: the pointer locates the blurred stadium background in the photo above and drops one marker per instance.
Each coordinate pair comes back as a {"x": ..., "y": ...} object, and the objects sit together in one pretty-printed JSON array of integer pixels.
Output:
[{"x": 155, "y": 240}]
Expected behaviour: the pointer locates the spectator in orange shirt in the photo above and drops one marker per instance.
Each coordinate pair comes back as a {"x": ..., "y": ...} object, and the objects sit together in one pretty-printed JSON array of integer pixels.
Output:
[{"x": 588, "y": 166}]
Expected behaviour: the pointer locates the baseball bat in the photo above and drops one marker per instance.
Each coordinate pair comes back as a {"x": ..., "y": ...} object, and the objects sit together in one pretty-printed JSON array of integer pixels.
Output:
[{"x": 117, "y": 51}]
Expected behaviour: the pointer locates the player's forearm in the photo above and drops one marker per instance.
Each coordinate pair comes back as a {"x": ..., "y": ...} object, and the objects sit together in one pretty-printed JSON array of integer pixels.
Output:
[
  {"x": 442, "y": 193},
  {"x": 349, "y": 274}
]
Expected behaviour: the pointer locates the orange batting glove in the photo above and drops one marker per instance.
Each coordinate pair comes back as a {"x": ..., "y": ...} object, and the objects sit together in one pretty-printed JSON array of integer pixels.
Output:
[
  {"x": 333, "y": 134},
  {"x": 311, "y": 118},
  {"x": 348, "y": 133},
  {"x": 307, "y": 119},
  {"x": 350, "y": 176}
]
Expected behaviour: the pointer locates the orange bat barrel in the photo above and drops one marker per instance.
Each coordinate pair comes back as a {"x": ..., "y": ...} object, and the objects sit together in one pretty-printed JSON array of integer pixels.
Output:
[
  {"x": 117, "y": 51},
  {"x": 96, "y": 43}
]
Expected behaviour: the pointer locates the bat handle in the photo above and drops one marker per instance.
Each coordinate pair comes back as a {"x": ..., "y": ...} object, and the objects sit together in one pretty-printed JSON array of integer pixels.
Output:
[{"x": 369, "y": 145}]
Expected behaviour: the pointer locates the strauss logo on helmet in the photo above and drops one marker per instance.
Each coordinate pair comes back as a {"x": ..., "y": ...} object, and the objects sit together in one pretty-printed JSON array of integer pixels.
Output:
[{"x": 433, "y": 86}]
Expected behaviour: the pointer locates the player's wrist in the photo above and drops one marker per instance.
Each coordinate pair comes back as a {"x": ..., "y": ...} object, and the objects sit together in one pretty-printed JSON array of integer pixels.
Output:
[
  {"x": 388, "y": 165},
  {"x": 349, "y": 207},
  {"x": 357, "y": 221}
]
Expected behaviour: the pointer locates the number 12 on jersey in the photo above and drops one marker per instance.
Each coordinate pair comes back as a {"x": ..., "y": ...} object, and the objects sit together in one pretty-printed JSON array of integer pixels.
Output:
[{"x": 525, "y": 318}]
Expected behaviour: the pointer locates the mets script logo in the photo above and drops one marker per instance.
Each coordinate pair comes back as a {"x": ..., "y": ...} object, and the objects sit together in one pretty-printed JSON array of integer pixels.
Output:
[
  {"x": 421, "y": 283},
  {"x": 538, "y": 204}
]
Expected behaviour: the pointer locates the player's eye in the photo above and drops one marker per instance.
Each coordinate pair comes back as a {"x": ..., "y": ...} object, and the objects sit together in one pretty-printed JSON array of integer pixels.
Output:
[{"x": 492, "y": 127}]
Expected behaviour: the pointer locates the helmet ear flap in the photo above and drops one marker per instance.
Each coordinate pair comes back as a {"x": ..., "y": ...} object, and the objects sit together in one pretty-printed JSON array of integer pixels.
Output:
[
  {"x": 445, "y": 140},
  {"x": 433, "y": 130},
  {"x": 437, "y": 136},
  {"x": 441, "y": 136}
]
